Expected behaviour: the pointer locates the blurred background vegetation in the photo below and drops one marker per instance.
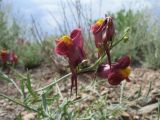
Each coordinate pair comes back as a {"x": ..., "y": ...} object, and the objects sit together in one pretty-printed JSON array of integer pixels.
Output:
[{"x": 142, "y": 46}]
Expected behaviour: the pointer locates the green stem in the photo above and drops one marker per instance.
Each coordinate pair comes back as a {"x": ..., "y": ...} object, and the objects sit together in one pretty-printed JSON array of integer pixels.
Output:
[
  {"x": 5, "y": 77},
  {"x": 122, "y": 91},
  {"x": 54, "y": 82},
  {"x": 67, "y": 75},
  {"x": 118, "y": 41},
  {"x": 19, "y": 74},
  {"x": 29, "y": 108},
  {"x": 92, "y": 66}
]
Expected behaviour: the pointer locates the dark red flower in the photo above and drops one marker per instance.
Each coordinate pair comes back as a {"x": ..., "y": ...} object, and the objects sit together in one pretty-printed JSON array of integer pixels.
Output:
[
  {"x": 8, "y": 57},
  {"x": 72, "y": 47},
  {"x": 4, "y": 56},
  {"x": 103, "y": 31},
  {"x": 118, "y": 71},
  {"x": 110, "y": 31},
  {"x": 97, "y": 30}
]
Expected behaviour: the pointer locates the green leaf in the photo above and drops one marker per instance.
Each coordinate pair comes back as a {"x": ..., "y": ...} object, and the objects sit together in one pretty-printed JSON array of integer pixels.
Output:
[
  {"x": 149, "y": 89},
  {"x": 5, "y": 77},
  {"x": 19, "y": 117},
  {"x": 22, "y": 86},
  {"x": 2, "y": 77},
  {"x": 44, "y": 103},
  {"x": 29, "y": 87}
]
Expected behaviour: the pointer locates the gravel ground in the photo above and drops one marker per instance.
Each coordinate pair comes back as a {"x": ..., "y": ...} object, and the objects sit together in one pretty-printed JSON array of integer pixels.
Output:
[{"x": 140, "y": 108}]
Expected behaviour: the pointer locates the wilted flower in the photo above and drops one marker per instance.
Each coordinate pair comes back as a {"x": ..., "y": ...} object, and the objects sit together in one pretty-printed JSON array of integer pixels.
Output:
[
  {"x": 103, "y": 31},
  {"x": 117, "y": 73},
  {"x": 72, "y": 47}
]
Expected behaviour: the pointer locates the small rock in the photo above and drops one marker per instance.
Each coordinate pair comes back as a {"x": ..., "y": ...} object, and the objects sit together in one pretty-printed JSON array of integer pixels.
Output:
[
  {"x": 102, "y": 88},
  {"x": 104, "y": 91},
  {"x": 2, "y": 114},
  {"x": 125, "y": 116},
  {"x": 136, "y": 117},
  {"x": 155, "y": 91},
  {"x": 2, "y": 101},
  {"x": 9, "y": 108},
  {"x": 4, "y": 104},
  {"x": 144, "y": 101},
  {"x": 29, "y": 116},
  {"x": 148, "y": 108},
  {"x": 10, "y": 103}
]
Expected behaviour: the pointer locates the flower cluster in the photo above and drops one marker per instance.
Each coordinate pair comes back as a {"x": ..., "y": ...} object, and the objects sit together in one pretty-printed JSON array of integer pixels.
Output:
[
  {"x": 103, "y": 30},
  {"x": 8, "y": 58}
]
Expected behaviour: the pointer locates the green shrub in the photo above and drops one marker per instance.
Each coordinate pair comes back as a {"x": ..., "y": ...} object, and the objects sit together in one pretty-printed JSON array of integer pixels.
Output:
[
  {"x": 30, "y": 56},
  {"x": 143, "y": 44},
  {"x": 152, "y": 49}
]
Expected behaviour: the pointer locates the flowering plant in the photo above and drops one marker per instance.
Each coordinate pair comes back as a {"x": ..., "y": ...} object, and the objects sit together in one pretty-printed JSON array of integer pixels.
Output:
[
  {"x": 70, "y": 46},
  {"x": 8, "y": 58},
  {"x": 104, "y": 32}
]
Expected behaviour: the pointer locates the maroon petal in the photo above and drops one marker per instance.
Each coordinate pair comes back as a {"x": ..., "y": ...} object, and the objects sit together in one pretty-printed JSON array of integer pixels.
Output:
[
  {"x": 110, "y": 28},
  {"x": 4, "y": 56},
  {"x": 75, "y": 57},
  {"x": 61, "y": 48},
  {"x": 122, "y": 62},
  {"x": 103, "y": 70},
  {"x": 114, "y": 78},
  {"x": 99, "y": 33},
  {"x": 96, "y": 29},
  {"x": 77, "y": 37}
]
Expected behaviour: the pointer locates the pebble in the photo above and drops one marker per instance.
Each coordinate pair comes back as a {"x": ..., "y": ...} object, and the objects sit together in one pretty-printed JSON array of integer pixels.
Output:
[
  {"x": 29, "y": 116},
  {"x": 9, "y": 108},
  {"x": 136, "y": 117},
  {"x": 2, "y": 101},
  {"x": 148, "y": 108},
  {"x": 2, "y": 113},
  {"x": 4, "y": 104},
  {"x": 126, "y": 116}
]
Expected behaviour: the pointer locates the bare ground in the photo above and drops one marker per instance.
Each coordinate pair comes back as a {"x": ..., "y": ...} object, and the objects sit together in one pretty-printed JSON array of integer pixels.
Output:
[{"x": 141, "y": 105}]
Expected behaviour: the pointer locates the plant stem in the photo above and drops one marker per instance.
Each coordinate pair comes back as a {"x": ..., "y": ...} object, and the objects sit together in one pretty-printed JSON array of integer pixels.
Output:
[
  {"x": 7, "y": 97},
  {"x": 118, "y": 42},
  {"x": 122, "y": 90},
  {"x": 4, "y": 76},
  {"x": 54, "y": 82}
]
